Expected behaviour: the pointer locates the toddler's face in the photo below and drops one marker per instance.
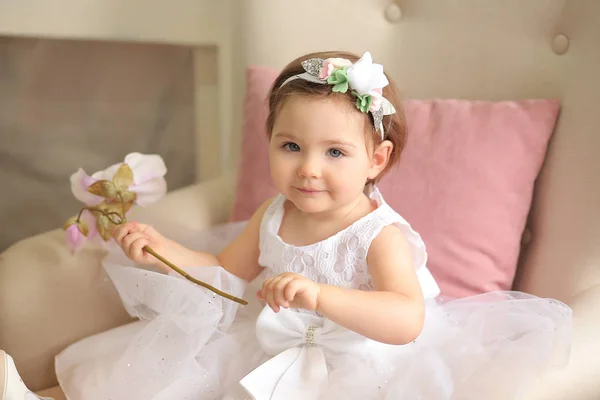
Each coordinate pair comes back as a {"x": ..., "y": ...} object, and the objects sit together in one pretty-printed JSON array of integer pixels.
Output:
[{"x": 318, "y": 153}]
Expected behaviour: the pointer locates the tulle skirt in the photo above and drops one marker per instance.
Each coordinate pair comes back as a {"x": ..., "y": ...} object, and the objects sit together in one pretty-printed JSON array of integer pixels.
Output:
[{"x": 188, "y": 343}]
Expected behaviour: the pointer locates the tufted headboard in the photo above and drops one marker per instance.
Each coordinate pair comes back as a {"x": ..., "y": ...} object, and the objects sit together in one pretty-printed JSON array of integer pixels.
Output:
[
  {"x": 468, "y": 49},
  {"x": 496, "y": 50},
  {"x": 493, "y": 49}
]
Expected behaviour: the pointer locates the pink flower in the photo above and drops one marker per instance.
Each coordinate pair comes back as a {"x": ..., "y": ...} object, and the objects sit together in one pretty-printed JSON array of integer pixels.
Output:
[
  {"x": 377, "y": 99},
  {"x": 148, "y": 179},
  {"x": 80, "y": 181},
  {"x": 78, "y": 231},
  {"x": 326, "y": 70},
  {"x": 90, "y": 220},
  {"x": 148, "y": 183},
  {"x": 331, "y": 64},
  {"x": 75, "y": 239}
]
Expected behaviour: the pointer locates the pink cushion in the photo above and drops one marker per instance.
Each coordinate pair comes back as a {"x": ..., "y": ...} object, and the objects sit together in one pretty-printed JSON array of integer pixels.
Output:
[
  {"x": 464, "y": 182},
  {"x": 254, "y": 184}
]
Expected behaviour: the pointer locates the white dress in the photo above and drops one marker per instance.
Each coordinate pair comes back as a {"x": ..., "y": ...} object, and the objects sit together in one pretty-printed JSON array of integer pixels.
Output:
[{"x": 191, "y": 344}]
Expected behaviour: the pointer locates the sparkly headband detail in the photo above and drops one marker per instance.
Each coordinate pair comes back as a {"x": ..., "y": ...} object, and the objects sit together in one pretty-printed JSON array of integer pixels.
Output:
[{"x": 365, "y": 80}]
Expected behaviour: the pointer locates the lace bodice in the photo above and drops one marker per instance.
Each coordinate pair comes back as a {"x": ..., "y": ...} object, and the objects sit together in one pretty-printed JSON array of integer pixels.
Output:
[{"x": 339, "y": 260}]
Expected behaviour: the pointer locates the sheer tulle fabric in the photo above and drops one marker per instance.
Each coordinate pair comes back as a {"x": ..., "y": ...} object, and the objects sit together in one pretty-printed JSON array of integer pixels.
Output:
[{"x": 191, "y": 344}]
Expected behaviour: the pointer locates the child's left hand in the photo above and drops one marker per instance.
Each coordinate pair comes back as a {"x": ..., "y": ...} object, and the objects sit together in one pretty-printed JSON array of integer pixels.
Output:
[{"x": 290, "y": 290}]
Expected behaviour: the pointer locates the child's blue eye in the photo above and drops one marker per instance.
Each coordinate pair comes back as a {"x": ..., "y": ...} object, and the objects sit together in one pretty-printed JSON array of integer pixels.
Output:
[
  {"x": 335, "y": 153},
  {"x": 291, "y": 147}
]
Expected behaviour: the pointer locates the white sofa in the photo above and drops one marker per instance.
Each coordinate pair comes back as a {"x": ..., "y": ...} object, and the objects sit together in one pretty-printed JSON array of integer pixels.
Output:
[{"x": 493, "y": 49}]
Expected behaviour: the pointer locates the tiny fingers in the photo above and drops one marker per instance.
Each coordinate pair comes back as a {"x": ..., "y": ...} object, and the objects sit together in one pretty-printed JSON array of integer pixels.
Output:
[
  {"x": 120, "y": 231},
  {"x": 267, "y": 292},
  {"x": 279, "y": 291},
  {"x": 291, "y": 290},
  {"x": 137, "y": 247}
]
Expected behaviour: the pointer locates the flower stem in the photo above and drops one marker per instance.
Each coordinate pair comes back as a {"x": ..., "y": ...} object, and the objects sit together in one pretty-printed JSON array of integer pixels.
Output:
[
  {"x": 187, "y": 276},
  {"x": 194, "y": 280},
  {"x": 107, "y": 215}
]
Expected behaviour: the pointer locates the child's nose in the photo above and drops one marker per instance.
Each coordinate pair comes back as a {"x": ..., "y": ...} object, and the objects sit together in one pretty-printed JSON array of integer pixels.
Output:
[{"x": 309, "y": 169}]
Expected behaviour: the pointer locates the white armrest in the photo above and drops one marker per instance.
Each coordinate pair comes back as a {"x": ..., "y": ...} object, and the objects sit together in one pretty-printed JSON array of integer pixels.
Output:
[
  {"x": 50, "y": 298},
  {"x": 193, "y": 207}
]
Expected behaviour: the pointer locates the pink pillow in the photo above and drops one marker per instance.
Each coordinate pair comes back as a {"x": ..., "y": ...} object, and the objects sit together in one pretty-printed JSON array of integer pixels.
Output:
[
  {"x": 254, "y": 184},
  {"x": 464, "y": 182}
]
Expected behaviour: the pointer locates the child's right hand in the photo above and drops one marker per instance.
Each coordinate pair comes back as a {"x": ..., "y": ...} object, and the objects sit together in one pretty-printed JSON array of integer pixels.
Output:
[{"x": 132, "y": 237}]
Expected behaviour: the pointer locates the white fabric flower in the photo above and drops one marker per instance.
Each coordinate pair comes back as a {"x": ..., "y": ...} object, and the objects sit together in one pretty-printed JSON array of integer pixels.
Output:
[
  {"x": 364, "y": 76},
  {"x": 148, "y": 179}
]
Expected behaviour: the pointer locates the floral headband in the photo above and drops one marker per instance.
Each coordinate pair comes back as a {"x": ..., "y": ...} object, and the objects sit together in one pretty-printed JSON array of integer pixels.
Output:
[{"x": 365, "y": 80}]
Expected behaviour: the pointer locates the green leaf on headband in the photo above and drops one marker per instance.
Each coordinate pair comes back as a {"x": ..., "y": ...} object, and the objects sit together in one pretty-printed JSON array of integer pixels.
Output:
[
  {"x": 339, "y": 80},
  {"x": 363, "y": 101}
]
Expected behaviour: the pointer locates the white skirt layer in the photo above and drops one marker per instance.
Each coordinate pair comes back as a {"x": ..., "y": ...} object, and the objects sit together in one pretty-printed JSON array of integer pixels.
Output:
[{"x": 191, "y": 344}]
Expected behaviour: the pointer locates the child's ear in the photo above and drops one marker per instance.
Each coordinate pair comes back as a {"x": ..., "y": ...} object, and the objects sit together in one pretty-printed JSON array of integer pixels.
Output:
[{"x": 380, "y": 158}]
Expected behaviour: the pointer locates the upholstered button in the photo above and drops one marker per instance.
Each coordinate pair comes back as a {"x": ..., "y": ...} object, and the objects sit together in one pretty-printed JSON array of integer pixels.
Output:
[
  {"x": 560, "y": 44},
  {"x": 393, "y": 13}
]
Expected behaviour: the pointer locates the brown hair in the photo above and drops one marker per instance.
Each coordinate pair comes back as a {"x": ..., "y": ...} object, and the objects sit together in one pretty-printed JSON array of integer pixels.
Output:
[{"x": 394, "y": 125}]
